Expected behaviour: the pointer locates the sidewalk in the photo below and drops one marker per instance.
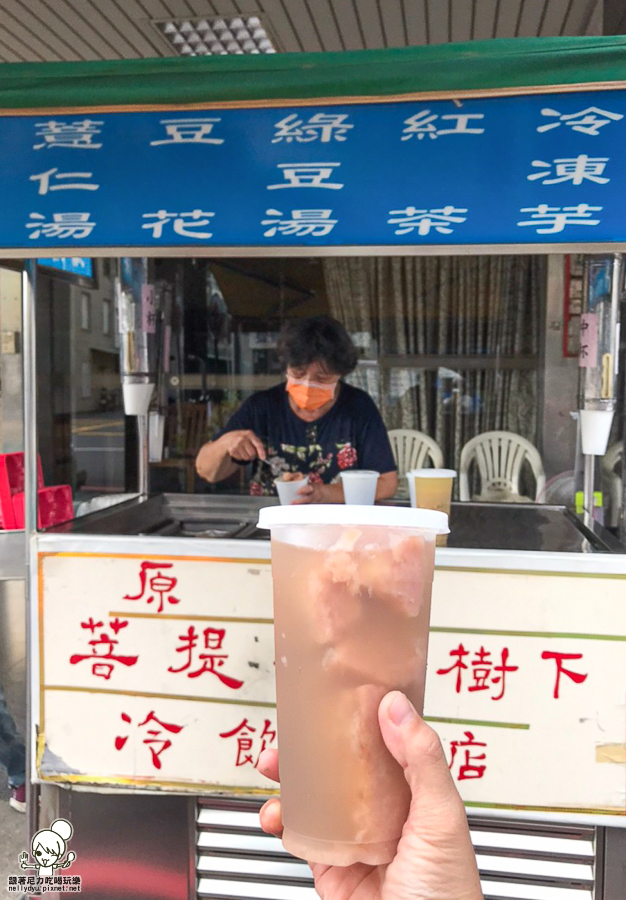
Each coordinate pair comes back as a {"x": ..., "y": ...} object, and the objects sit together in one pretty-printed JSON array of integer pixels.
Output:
[{"x": 12, "y": 839}]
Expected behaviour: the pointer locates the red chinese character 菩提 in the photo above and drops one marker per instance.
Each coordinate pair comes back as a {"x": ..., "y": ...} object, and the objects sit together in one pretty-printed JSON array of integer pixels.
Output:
[{"x": 210, "y": 662}]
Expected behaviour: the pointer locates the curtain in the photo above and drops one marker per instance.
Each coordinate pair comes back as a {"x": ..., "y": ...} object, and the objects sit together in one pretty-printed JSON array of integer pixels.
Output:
[{"x": 444, "y": 308}]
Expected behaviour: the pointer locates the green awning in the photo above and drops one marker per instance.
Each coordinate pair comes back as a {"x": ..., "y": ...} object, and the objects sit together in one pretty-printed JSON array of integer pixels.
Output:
[{"x": 519, "y": 65}]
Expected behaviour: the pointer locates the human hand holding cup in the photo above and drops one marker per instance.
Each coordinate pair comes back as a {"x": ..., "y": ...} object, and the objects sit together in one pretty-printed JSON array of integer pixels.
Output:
[{"x": 435, "y": 858}]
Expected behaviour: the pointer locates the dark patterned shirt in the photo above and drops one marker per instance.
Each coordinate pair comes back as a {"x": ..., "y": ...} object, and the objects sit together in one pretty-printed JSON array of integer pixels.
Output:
[{"x": 351, "y": 435}]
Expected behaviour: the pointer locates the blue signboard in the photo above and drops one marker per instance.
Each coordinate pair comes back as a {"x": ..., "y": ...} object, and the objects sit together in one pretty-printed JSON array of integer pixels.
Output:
[
  {"x": 71, "y": 265},
  {"x": 530, "y": 169}
]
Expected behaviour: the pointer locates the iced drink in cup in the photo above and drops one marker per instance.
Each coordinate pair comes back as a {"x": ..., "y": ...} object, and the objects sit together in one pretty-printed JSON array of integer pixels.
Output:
[
  {"x": 432, "y": 489},
  {"x": 288, "y": 485},
  {"x": 352, "y": 589}
]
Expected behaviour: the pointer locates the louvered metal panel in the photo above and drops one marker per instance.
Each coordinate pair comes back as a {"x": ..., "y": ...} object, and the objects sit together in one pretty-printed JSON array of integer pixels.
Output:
[{"x": 518, "y": 860}]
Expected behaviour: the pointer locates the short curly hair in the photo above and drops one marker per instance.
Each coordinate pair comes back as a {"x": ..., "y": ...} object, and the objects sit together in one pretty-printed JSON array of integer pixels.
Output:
[{"x": 322, "y": 339}]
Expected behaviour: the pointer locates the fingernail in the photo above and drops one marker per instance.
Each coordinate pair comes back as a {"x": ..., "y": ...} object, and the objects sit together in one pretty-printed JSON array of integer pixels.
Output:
[{"x": 401, "y": 710}]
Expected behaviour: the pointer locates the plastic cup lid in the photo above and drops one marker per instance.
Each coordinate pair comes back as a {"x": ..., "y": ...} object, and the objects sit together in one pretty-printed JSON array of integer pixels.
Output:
[
  {"x": 432, "y": 473},
  {"x": 360, "y": 473},
  {"x": 336, "y": 514}
]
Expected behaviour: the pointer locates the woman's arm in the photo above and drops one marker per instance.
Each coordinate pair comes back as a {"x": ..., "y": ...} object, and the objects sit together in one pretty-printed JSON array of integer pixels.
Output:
[
  {"x": 216, "y": 460},
  {"x": 387, "y": 485}
]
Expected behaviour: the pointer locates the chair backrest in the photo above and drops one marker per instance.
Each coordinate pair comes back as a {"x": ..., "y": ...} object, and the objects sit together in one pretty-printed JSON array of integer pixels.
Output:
[
  {"x": 413, "y": 450},
  {"x": 499, "y": 456},
  {"x": 610, "y": 462},
  {"x": 195, "y": 427},
  {"x": 187, "y": 440}
]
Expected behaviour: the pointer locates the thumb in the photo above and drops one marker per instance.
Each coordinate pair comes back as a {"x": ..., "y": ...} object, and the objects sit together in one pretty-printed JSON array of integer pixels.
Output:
[
  {"x": 417, "y": 748},
  {"x": 435, "y": 851}
]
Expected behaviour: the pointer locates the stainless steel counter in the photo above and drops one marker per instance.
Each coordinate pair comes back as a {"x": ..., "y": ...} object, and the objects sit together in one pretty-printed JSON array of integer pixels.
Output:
[{"x": 487, "y": 526}]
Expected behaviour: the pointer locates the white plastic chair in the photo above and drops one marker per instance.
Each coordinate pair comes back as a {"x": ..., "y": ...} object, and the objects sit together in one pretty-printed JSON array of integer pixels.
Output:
[
  {"x": 499, "y": 456},
  {"x": 610, "y": 461},
  {"x": 413, "y": 450}
]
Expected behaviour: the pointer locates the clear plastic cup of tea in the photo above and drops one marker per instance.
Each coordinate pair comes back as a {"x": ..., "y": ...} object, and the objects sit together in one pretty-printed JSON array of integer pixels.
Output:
[
  {"x": 352, "y": 588},
  {"x": 432, "y": 489}
]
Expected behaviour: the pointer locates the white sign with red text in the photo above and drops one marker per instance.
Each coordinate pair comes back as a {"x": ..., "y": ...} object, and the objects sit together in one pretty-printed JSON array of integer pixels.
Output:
[{"x": 158, "y": 671}]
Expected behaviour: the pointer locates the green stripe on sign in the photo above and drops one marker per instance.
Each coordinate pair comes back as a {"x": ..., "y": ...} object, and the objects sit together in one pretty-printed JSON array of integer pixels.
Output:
[
  {"x": 533, "y": 634},
  {"x": 517, "y": 725}
]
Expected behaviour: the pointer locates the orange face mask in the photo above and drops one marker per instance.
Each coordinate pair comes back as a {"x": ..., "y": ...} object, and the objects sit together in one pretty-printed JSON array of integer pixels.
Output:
[{"x": 309, "y": 395}]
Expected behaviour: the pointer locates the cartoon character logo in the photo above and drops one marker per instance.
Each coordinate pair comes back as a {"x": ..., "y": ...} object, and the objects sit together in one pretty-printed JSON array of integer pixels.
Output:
[{"x": 48, "y": 849}]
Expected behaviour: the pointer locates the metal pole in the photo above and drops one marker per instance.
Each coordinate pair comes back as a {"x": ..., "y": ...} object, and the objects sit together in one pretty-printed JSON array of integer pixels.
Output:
[
  {"x": 588, "y": 486},
  {"x": 143, "y": 453},
  {"x": 29, "y": 331}
]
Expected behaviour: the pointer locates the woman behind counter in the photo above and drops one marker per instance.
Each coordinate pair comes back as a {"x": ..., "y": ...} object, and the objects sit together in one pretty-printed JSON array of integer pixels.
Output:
[{"x": 314, "y": 423}]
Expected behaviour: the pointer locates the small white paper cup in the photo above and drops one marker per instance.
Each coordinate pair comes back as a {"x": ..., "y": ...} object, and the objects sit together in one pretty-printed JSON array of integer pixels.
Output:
[
  {"x": 288, "y": 490},
  {"x": 359, "y": 486}
]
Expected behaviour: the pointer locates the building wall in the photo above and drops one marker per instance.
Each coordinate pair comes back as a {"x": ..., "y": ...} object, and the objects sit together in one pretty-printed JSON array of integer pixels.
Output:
[{"x": 94, "y": 352}]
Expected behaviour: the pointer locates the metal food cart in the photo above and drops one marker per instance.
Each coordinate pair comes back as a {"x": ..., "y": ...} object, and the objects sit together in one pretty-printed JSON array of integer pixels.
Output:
[{"x": 148, "y": 747}]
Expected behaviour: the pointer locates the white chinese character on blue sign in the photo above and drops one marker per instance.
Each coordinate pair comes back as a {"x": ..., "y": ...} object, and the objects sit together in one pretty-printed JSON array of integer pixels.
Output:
[
  {"x": 553, "y": 219},
  {"x": 184, "y": 223},
  {"x": 425, "y": 220},
  {"x": 581, "y": 168},
  {"x": 423, "y": 123},
  {"x": 587, "y": 121},
  {"x": 303, "y": 222},
  {"x": 72, "y": 135},
  {"x": 53, "y": 175},
  {"x": 323, "y": 127},
  {"x": 306, "y": 175},
  {"x": 63, "y": 225},
  {"x": 189, "y": 131}
]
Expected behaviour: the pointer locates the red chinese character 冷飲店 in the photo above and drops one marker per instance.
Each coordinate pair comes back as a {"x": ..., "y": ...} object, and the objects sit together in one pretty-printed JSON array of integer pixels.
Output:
[
  {"x": 245, "y": 741},
  {"x": 162, "y": 743},
  {"x": 468, "y": 769}
]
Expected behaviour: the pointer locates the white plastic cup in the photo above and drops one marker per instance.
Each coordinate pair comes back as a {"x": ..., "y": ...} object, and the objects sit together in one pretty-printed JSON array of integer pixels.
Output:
[
  {"x": 595, "y": 426},
  {"x": 288, "y": 490},
  {"x": 359, "y": 486},
  {"x": 137, "y": 396}
]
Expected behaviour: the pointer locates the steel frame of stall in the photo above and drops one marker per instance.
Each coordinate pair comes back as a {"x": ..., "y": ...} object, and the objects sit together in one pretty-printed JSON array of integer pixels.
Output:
[
  {"x": 610, "y": 876},
  {"x": 610, "y": 869}
]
